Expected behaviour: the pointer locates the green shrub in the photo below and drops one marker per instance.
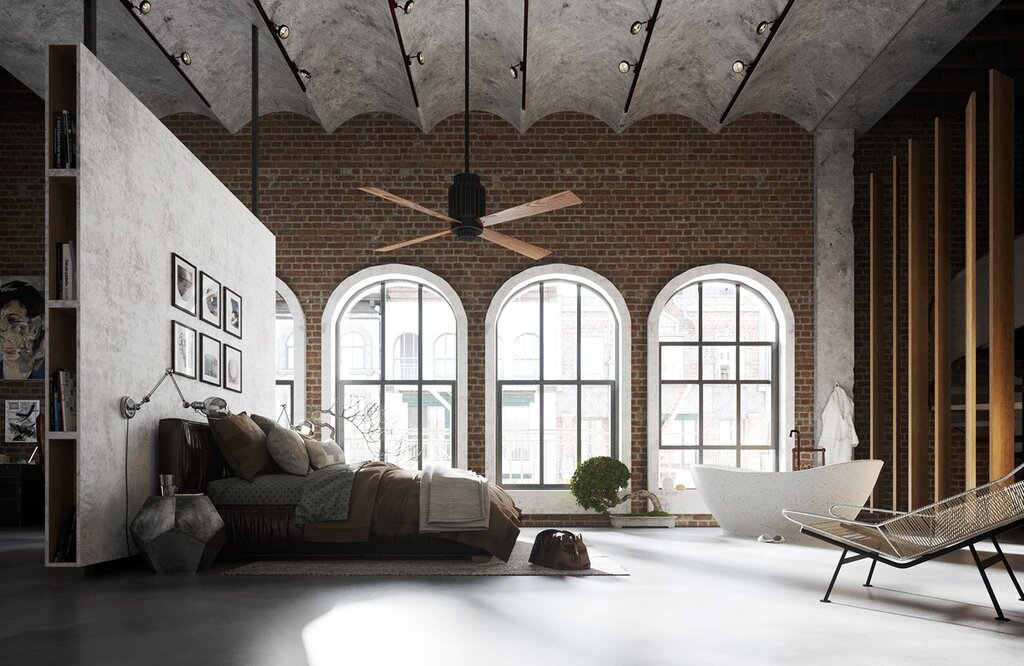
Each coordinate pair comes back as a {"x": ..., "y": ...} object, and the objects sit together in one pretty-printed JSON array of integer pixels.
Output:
[{"x": 596, "y": 483}]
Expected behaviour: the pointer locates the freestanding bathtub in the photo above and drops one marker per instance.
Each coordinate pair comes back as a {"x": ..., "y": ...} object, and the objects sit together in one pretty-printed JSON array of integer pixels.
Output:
[{"x": 747, "y": 503}]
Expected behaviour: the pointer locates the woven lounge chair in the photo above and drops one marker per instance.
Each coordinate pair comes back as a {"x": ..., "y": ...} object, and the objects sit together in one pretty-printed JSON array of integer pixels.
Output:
[{"x": 906, "y": 539}]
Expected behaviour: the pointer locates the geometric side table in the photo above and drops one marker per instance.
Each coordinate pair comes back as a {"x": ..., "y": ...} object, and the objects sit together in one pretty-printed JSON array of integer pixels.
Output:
[{"x": 178, "y": 534}]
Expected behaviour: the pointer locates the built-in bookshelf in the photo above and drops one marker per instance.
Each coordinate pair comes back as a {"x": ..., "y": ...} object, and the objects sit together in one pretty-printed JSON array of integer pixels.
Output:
[{"x": 61, "y": 443}]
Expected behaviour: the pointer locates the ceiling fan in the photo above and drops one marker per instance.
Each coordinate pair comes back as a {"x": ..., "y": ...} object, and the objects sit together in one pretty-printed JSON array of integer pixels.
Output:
[{"x": 467, "y": 202}]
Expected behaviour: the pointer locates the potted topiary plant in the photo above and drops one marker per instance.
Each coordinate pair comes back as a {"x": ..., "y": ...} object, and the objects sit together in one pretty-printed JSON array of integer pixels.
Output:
[{"x": 596, "y": 484}]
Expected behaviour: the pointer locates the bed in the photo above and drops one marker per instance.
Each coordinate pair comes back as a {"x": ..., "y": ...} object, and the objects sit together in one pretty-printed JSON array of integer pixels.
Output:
[{"x": 383, "y": 518}]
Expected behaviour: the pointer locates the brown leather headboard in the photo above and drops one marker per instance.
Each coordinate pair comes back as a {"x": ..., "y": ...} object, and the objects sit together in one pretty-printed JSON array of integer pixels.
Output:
[{"x": 189, "y": 452}]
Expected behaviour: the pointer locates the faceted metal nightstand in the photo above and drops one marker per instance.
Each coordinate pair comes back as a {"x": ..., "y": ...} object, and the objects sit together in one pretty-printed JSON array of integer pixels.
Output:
[{"x": 178, "y": 534}]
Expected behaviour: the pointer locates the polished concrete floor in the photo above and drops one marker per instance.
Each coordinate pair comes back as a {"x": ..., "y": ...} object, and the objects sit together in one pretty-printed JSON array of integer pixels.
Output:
[{"x": 694, "y": 597}]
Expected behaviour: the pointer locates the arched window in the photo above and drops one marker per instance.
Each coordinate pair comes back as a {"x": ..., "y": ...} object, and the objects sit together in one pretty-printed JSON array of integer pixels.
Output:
[
  {"x": 394, "y": 405},
  {"x": 717, "y": 374},
  {"x": 558, "y": 404},
  {"x": 289, "y": 356},
  {"x": 444, "y": 355}
]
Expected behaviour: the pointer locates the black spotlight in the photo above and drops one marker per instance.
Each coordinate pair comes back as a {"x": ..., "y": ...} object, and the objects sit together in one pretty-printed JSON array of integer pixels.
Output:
[
  {"x": 764, "y": 26},
  {"x": 514, "y": 70},
  {"x": 405, "y": 7},
  {"x": 738, "y": 67},
  {"x": 144, "y": 7},
  {"x": 419, "y": 57},
  {"x": 637, "y": 27},
  {"x": 625, "y": 66},
  {"x": 185, "y": 58},
  {"x": 305, "y": 74},
  {"x": 283, "y": 31}
]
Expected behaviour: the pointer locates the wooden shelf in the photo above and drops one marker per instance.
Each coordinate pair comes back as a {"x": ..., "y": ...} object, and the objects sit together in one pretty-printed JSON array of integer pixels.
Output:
[
  {"x": 63, "y": 305},
  {"x": 62, "y": 173},
  {"x": 62, "y": 434},
  {"x": 61, "y": 492}
]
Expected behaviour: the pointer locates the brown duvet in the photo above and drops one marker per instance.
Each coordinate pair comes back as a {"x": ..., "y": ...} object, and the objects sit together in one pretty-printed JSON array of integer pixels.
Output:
[{"x": 386, "y": 500}]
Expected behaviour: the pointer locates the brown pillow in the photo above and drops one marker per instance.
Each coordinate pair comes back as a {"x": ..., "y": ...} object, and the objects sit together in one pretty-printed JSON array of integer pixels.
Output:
[
  {"x": 324, "y": 454},
  {"x": 288, "y": 450},
  {"x": 243, "y": 445}
]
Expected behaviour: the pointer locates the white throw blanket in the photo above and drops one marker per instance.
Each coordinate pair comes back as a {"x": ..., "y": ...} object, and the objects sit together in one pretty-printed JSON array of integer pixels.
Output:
[
  {"x": 453, "y": 500},
  {"x": 838, "y": 436}
]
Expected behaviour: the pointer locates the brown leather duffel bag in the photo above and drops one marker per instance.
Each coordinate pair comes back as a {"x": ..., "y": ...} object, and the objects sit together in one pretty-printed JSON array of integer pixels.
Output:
[{"x": 558, "y": 549}]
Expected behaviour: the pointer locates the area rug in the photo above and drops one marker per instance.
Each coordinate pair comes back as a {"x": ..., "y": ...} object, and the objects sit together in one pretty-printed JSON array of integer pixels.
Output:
[{"x": 518, "y": 565}]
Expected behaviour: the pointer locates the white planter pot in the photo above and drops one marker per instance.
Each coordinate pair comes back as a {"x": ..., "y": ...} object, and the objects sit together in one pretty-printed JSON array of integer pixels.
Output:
[{"x": 643, "y": 521}]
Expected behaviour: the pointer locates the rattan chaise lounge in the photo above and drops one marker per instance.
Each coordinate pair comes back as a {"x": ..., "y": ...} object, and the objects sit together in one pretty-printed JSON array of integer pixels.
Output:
[{"x": 904, "y": 540}]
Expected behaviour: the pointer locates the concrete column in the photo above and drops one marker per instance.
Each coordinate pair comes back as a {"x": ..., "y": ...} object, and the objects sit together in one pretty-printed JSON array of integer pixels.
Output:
[{"x": 833, "y": 266}]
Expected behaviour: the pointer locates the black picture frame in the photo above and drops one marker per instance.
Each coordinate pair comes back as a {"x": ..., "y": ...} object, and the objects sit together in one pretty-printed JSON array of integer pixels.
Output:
[
  {"x": 230, "y": 354},
  {"x": 209, "y": 285},
  {"x": 226, "y": 307},
  {"x": 218, "y": 370},
  {"x": 176, "y": 366},
  {"x": 177, "y": 301}
]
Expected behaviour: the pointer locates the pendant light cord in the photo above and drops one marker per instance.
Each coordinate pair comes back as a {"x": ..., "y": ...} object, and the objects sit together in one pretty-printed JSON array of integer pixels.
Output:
[{"x": 466, "y": 90}]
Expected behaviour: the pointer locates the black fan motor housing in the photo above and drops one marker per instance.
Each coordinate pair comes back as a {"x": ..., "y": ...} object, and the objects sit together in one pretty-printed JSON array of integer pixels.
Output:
[{"x": 467, "y": 203}]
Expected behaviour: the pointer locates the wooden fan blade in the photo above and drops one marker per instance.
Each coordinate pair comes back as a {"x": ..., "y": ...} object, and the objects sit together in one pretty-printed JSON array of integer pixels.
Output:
[
  {"x": 396, "y": 246},
  {"x": 405, "y": 202},
  {"x": 545, "y": 205},
  {"x": 514, "y": 244}
]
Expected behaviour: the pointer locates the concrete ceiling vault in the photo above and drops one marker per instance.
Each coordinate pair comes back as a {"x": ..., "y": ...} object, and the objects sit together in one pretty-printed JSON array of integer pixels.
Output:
[{"x": 833, "y": 63}]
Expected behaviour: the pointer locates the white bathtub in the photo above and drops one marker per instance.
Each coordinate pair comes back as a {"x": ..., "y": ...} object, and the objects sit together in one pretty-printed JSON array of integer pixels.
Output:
[{"x": 747, "y": 503}]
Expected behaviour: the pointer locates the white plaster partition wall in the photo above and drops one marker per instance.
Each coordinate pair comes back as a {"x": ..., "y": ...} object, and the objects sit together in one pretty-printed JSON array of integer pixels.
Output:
[{"x": 143, "y": 195}]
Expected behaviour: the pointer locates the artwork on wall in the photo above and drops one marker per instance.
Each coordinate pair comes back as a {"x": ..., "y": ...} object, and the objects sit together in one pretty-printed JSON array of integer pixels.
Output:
[
  {"x": 183, "y": 350},
  {"x": 232, "y": 368},
  {"x": 22, "y": 328},
  {"x": 232, "y": 313},
  {"x": 209, "y": 354},
  {"x": 20, "y": 421},
  {"x": 183, "y": 285},
  {"x": 210, "y": 302}
]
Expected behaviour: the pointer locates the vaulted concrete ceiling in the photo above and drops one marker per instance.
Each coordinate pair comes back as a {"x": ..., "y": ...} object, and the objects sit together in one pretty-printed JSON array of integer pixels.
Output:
[{"x": 833, "y": 63}]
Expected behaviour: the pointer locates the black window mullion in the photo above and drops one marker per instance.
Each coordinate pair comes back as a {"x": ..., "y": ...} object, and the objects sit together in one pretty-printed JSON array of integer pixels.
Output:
[
  {"x": 700, "y": 372},
  {"x": 540, "y": 376},
  {"x": 579, "y": 374},
  {"x": 736, "y": 370},
  {"x": 383, "y": 370},
  {"x": 419, "y": 377}
]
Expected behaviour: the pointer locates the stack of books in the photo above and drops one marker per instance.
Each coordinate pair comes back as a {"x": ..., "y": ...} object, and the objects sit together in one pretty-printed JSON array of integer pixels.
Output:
[
  {"x": 65, "y": 156},
  {"x": 64, "y": 406},
  {"x": 66, "y": 271}
]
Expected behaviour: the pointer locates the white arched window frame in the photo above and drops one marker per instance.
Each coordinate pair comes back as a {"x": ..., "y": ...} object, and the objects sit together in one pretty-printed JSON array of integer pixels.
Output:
[
  {"x": 298, "y": 354},
  {"x": 690, "y": 502},
  {"x": 556, "y": 500},
  {"x": 342, "y": 296}
]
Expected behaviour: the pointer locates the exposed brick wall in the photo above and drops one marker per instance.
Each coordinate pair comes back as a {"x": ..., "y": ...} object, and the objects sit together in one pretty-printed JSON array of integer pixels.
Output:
[
  {"x": 660, "y": 198},
  {"x": 22, "y": 245}
]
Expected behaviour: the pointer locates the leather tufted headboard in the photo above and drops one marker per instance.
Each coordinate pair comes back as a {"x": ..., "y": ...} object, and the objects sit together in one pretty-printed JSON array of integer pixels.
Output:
[{"x": 189, "y": 452}]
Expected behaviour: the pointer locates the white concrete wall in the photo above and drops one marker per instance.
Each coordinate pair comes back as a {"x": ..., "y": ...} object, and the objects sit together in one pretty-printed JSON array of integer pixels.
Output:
[{"x": 143, "y": 195}]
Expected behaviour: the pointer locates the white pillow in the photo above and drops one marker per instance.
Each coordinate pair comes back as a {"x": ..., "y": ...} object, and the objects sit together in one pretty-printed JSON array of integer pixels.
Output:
[{"x": 324, "y": 454}]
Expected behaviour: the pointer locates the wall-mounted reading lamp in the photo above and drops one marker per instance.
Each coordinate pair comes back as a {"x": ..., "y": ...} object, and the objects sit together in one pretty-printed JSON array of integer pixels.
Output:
[{"x": 211, "y": 407}]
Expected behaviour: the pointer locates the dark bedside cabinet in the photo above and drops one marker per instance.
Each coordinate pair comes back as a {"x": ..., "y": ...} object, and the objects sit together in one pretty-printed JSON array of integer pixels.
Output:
[{"x": 21, "y": 495}]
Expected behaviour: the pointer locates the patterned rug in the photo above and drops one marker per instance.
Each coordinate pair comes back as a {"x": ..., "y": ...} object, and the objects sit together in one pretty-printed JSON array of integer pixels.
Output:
[{"x": 518, "y": 565}]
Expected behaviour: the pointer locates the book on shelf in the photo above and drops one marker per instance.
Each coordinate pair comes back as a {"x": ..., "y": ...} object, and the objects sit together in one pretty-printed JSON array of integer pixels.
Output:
[
  {"x": 64, "y": 138},
  {"x": 66, "y": 271},
  {"x": 63, "y": 402},
  {"x": 66, "y": 547}
]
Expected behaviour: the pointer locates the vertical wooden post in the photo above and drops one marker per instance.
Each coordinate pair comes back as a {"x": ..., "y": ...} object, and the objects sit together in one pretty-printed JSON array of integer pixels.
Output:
[
  {"x": 877, "y": 393},
  {"x": 941, "y": 311},
  {"x": 1000, "y": 275},
  {"x": 971, "y": 294},
  {"x": 918, "y": 493},
  {"x": 894, "y": 445}
]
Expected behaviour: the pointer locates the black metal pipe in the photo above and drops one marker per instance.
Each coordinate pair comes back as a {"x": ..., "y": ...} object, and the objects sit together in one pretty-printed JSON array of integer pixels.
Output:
[
  {"x": 465, "y": 91},
  {"x": 254, "y": 168},
  {"x": 280, "y": 45},
  {"x": 405, "y": 58},
  {"x": 174, "y": 61},
  {"x": 526, "y": 39},
  {"x": 643, "y": 54},
  {"x": 89, "y": 26},
  {"x": 764, "y": 47}
]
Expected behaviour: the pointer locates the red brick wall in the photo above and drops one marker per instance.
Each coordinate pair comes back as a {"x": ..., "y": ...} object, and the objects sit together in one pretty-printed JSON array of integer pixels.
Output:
[
  {"x": 22, "y": 245},
  {"x": 660, "y": 198}
]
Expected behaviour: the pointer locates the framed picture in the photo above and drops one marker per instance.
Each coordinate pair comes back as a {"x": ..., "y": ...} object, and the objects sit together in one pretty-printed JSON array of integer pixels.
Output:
[
  {"x": 22, "y": 328},
  {"x": 232, "y": 313},
  {"x": 183, "y": 285},
  {"x": 232, "y": 368},
  {"x": 209, "y": 299},
  {"x": 20, "y": 421},
  {"x": 209, "y": 360},
  {"x": 183, "y": 350}
]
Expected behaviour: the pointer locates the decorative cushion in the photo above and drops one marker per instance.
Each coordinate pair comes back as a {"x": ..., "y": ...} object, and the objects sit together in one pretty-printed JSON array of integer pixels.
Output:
[
  {"x": 243, "y": 445},
  {"x": 266, "y": 424},
  {"x": 288, "y": 450},
  {"x": 324, "y": 454}
]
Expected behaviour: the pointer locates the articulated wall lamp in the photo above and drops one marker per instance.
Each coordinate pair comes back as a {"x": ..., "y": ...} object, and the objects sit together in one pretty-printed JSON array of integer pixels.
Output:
[{"x": 211, "y": 407}]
